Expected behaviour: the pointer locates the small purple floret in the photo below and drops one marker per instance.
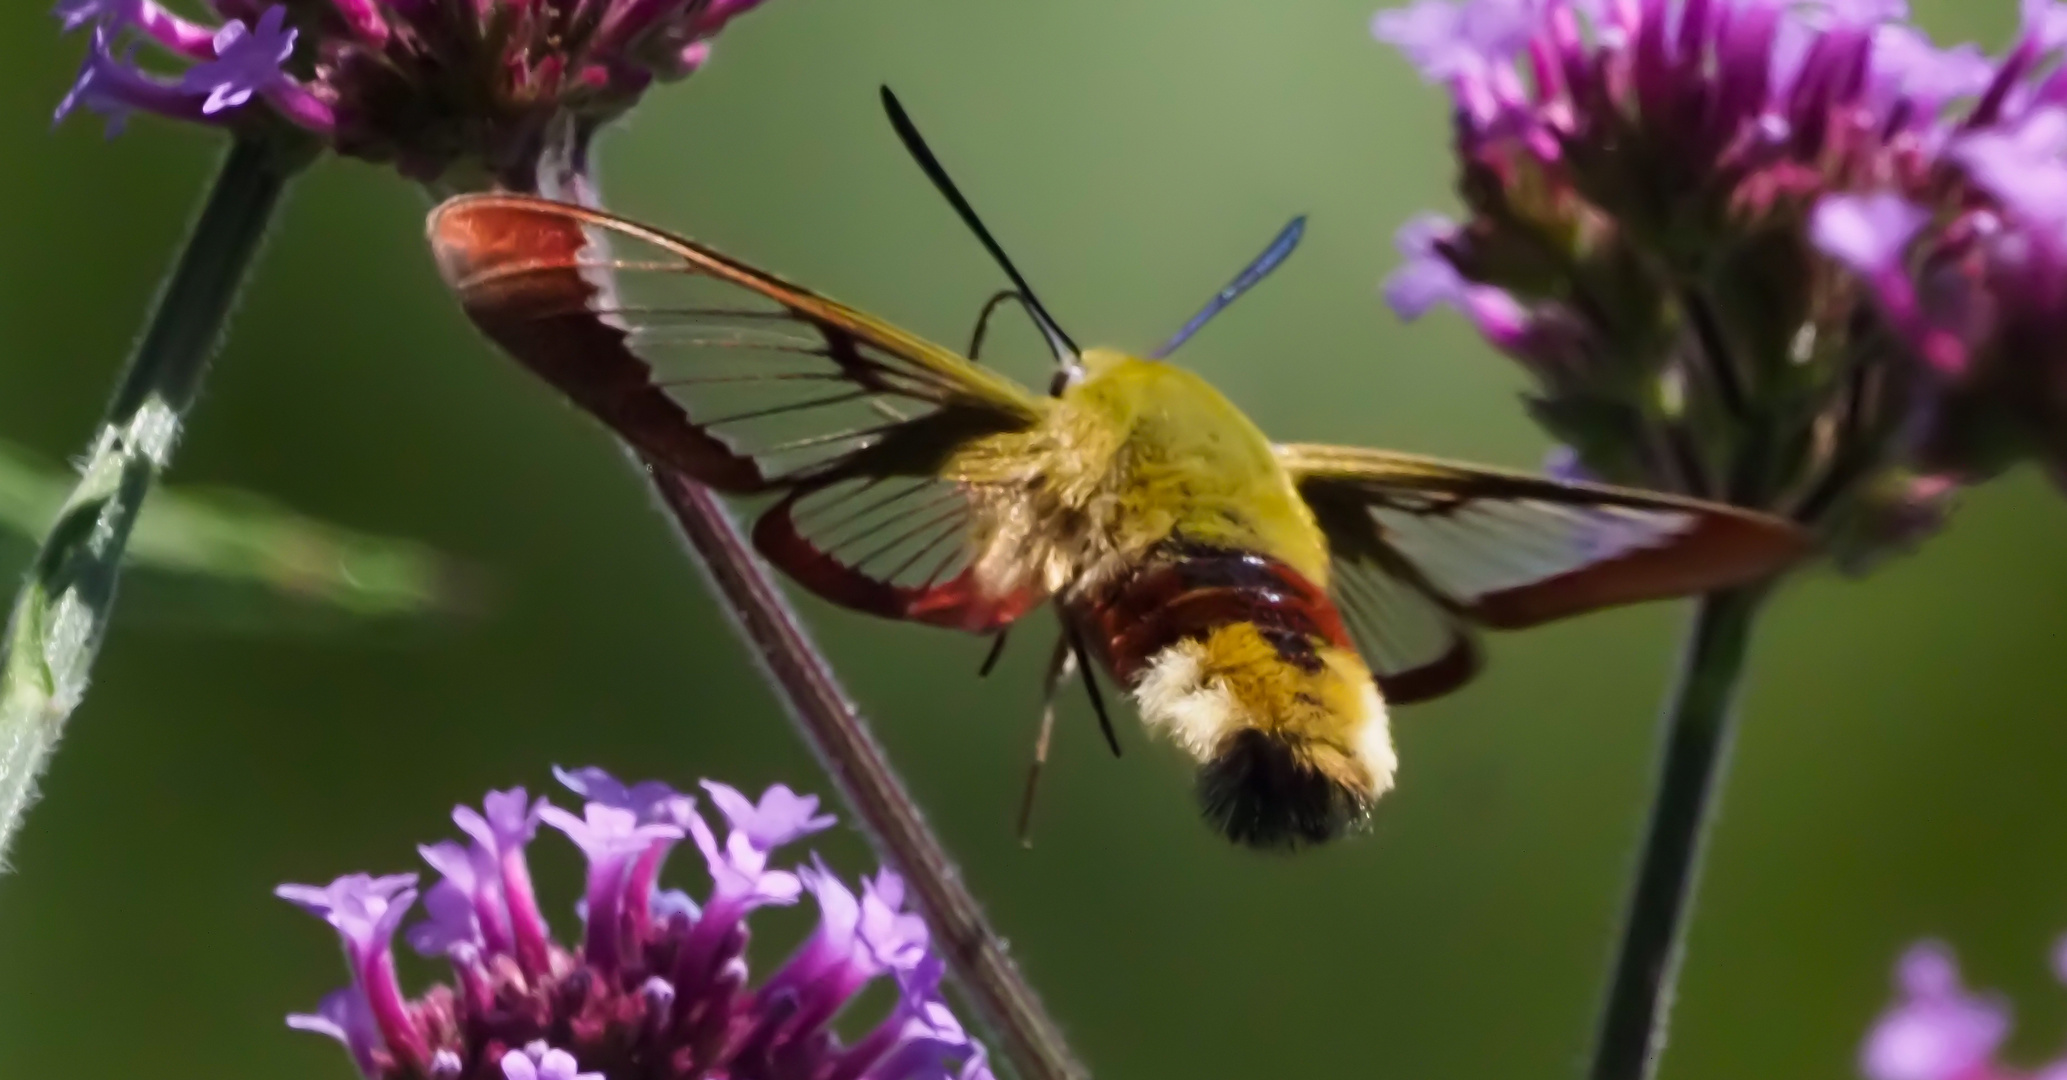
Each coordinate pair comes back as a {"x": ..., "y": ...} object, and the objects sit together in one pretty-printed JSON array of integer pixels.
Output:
[
  {"x": 111, "y": 86},
  {"x": 2045, "y": 24},
  {"x": 1937, "y": 1029},
  {"x": 781, "y": 817},
  {"x": 612, "y": 839},
  {"x": 926, "y": 1038},
  {"x": 551, "y": 1065},
  {"x": 739, "y": 867},
  {"x": 1444, "y": 40},
  {"x": 1867, "y": 233},
  {"x": 1907, "y": 63},
  {"x": 454, "y": 920},
  {"x": 247, "y": 61},
  {"x": 1428, "y": 279},
  {"x": 506, "y": 822},
  {"x": 651, "y": 800},
  {"x": 73, "y": 14},
  {"x": 2023, "y": 163},
  {"x": 608, "y": 834},
  {"x": 365, "y": 911},
  {"x": 895, "y": 939},
  {"x": 345, "y": 1015}
]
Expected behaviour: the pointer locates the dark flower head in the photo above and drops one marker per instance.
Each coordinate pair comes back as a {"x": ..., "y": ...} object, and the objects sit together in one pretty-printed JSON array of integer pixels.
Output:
[
  {"x": 659, "y": 986},
  {"x": 1789, "y": 254},
  {"x": 466, "y": 94}
]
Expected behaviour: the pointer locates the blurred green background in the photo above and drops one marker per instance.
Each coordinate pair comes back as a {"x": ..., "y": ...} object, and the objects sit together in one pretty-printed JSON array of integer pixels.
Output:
[{"x": 1899, "y": 774}]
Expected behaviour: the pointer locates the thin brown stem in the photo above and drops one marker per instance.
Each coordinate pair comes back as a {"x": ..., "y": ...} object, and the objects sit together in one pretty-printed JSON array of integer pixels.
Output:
[{"x": 834, "y": 728}]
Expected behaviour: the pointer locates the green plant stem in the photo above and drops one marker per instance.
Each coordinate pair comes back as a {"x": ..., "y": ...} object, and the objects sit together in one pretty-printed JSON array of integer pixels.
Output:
[
  {"x": 1698, "y": 729},
  {"x": 834, "y": 728},
  {"x": 61, "y": 612}
]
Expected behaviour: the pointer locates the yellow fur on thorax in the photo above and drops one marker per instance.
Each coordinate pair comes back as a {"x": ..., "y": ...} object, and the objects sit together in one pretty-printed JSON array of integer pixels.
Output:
[{"x": 1137, "y": 452}]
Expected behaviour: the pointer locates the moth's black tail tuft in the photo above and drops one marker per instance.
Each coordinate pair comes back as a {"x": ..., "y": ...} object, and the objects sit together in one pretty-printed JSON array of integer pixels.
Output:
[{"x": 1263, "y": 790}]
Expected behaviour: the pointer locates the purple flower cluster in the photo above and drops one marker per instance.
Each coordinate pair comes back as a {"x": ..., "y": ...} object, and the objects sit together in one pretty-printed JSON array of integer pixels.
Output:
[
  {"x": 1790, "y": 253},
  {"x": 1937, "y": 1029},
  {"x": 465, "y": 92},
  {"x": 659, "y": 986}
]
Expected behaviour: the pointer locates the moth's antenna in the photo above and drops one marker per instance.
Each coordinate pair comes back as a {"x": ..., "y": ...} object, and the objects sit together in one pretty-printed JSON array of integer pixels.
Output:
[
  {"x": 1066, "y": 352},
  {"x": 1263, "y": 264}
]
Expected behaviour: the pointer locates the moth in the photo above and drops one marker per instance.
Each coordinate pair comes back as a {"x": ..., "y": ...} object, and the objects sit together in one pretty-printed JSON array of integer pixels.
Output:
[{"x": 1262, "y": 603}]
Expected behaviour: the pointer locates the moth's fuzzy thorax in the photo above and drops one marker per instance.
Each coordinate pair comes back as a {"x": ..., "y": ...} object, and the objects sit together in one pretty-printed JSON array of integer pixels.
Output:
[
  {"x": 1137, "y": 453},
  {"x": 1048, "y": 505}
]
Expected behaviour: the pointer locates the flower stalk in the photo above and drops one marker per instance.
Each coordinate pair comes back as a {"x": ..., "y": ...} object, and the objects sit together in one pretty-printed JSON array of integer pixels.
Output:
[
  {"x": 833, "y": 727},
  {"x": 1698, "y": 728},
  {"x": 62, "y": 610}
]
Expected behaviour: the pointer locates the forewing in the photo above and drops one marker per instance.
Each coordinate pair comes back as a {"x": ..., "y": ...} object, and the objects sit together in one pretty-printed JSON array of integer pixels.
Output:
[
  {"x": 1423, "y": 549},
  {"x": 747, "y": 383},
  {"x": 1510, "y": 550},
  {"x": 728, "y": 373}
]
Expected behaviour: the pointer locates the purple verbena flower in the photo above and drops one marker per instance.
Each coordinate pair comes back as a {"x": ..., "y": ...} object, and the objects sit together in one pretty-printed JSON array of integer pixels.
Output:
[
  {"x": 506, "y": 93},
  {"x": 1792, "y": 255},
  {"x": 1937, "y": 1029},
  {"x": 659, "y": 985}
]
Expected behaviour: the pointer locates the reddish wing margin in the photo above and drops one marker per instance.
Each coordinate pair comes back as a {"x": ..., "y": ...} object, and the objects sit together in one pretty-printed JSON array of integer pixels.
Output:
[
  {"x": 737, "y": 379},
  {"x": 1418, "y": 541}
]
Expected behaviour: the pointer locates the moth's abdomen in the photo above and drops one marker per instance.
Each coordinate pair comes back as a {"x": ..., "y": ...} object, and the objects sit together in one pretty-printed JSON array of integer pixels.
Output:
[
  {"x": 1186, "y": 592},
  {"x": 1246, "y": 664}
]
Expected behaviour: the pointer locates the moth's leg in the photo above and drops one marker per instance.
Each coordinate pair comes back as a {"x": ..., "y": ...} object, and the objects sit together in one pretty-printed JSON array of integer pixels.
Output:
[
  {"x": 997, "y": 649},
  {"x": 1083, "y": 663},
  {"x": 1062, "y": 663}
]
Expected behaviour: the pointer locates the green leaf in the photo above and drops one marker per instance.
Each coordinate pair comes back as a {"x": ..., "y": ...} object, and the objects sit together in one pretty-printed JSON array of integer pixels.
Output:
[{"x": 229, "y": 560}]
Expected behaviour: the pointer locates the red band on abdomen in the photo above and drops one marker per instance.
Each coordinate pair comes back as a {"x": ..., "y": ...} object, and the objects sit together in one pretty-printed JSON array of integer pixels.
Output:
[{"x": 1185, "y": 592}]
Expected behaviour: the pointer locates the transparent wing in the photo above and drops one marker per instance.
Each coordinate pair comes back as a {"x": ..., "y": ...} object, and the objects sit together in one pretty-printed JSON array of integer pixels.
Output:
[
  {"x": 897, "y": 546},
  {"x": 1421, "y": 544},
  {"x": 745, "y": 382},
  {"x": 1415, "y": 646},
  {"x": 730, "y": 374}
]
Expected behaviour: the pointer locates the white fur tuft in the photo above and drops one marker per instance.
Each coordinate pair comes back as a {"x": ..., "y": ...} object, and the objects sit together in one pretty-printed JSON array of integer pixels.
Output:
[
  {"x": 1374, "y": 742},
  {"x": 1175, "y": 699}
]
